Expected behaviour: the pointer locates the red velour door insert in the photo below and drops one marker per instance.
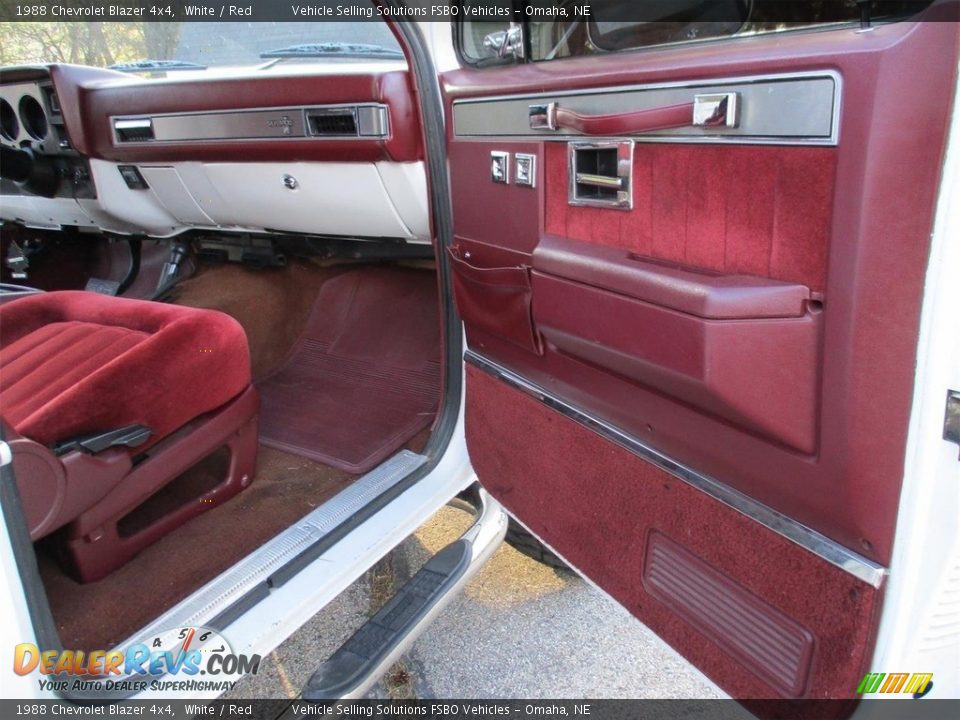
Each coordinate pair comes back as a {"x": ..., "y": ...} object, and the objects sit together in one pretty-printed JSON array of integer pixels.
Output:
[
  {"x": 753, "y": 210},
  {"x": 365, "y": 375}
]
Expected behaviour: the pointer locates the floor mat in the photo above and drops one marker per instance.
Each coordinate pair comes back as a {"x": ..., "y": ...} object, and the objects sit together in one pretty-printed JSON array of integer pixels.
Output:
[{"x": 364, "y": 377}]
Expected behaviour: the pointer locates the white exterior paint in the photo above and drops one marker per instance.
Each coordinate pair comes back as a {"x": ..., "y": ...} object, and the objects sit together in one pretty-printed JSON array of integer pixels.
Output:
[{"x": 920, "y": 625}]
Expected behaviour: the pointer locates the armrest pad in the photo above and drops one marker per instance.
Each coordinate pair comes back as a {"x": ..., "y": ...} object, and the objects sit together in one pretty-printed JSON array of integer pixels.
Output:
[{"x": 704, "y": 294}]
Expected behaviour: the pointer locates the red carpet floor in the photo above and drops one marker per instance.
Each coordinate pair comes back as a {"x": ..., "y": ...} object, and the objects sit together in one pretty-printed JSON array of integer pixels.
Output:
[{"x": 364, "y": 376}]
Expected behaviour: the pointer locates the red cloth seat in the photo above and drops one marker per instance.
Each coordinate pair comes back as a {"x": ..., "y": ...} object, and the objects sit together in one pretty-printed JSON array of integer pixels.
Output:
[{"x": 75, "y": 363}]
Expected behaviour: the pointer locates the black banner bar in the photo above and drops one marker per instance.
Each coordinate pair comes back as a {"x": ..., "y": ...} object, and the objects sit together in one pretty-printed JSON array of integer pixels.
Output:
[
  {"x": 437, "y": 10},
  {"x": 908, "y": 709}
]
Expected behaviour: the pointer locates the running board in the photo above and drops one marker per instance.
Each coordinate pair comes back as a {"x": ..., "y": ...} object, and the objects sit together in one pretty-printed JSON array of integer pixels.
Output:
[{"x": 353, "y": 669}]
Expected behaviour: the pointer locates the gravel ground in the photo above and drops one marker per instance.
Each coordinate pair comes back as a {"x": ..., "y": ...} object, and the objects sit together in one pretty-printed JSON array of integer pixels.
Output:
[{"x": 519, "y": 630}]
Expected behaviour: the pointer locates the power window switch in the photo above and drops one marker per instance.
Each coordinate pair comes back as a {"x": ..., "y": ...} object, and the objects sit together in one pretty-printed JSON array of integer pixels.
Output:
[
  {"x": 500, "y": 167},
  {"x": 525, "y": 169}
]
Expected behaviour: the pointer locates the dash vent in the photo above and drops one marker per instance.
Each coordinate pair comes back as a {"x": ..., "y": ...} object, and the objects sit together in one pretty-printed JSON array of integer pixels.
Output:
[
  {"x": 332, "y": 122},
  {"x": 134, "y": 130},
  {"x": 53, "y": 102}
]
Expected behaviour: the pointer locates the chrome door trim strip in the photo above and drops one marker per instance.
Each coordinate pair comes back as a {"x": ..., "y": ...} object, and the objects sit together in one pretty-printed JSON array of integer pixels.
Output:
[
  {"x": 807, "y": 538},
  {"x": 831, "y": 140}
]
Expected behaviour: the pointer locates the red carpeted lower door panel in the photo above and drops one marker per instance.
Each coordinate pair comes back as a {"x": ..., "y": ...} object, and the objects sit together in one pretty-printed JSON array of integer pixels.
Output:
[
  {"x": 753, "y": 210},
  {"x": 758, "y": 614},
  {"x": 364, "y": 377}
]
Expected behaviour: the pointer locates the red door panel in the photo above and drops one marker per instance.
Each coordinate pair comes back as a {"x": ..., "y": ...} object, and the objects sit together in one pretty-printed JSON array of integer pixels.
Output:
[{"x": 711, "y": 392}]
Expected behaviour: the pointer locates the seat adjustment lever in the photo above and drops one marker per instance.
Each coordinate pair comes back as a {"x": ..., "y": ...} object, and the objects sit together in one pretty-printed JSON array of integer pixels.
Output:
[{"x": 130, "y": 436}]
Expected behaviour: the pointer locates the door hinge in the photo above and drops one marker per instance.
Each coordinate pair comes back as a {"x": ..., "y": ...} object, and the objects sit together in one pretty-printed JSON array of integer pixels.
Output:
[{"x": 951, "y": 418}]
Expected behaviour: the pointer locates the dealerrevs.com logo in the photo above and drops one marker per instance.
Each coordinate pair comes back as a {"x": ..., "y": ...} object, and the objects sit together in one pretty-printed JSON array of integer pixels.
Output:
[{"x": 190, "y": 659}]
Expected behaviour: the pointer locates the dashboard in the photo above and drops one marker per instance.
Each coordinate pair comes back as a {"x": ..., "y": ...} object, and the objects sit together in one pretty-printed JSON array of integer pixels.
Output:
[{"x": 332, "y": 152}]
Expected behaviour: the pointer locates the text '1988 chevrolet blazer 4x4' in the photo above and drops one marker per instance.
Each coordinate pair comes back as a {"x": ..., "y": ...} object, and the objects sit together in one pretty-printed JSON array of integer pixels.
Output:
[{"x": 664, "y": 291}]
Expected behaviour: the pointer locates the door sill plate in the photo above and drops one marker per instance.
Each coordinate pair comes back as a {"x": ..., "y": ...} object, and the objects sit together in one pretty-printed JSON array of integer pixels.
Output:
[{"x": 203, "y": 605}]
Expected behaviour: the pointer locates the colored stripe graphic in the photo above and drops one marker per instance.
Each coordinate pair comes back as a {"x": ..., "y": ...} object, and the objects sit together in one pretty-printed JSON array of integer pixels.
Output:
[
  {"x": 895, "y": 681},
  {"x": 870, "y": 683},
  {"x": 918, "y": 683},
  {"x": 907, "y": 683}
]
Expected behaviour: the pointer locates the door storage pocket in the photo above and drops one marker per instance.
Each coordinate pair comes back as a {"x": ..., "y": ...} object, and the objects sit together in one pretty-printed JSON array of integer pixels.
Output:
[
  {"x": 740, "y": 347},
  {"x": 495, "y": 300}
]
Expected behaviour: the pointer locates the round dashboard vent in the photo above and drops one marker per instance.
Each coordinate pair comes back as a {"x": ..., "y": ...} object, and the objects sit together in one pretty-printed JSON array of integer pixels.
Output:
[
  {"x": 9, "y": 126},
  {"x": 33, "y": 117}
]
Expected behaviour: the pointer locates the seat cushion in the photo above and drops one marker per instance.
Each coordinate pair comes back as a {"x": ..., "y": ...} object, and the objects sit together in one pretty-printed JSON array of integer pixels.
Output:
[{"x": 75, "y": 363}]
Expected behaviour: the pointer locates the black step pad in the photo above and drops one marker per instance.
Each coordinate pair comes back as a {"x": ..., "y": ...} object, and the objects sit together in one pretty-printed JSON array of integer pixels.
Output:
[{"x": 382, "y": 633}]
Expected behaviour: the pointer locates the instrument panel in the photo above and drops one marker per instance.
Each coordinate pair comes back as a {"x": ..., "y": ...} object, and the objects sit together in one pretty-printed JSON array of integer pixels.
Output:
[{"x": 30, "y": 116}]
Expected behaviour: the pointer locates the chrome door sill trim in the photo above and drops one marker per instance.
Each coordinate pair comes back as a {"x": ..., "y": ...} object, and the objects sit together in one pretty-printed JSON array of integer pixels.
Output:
[
  {"x": 206, "y": 602},
  {"x": 807, "y": 538}
]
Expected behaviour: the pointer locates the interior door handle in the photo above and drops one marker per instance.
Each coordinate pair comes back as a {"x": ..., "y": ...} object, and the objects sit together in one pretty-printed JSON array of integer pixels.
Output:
[
  {"x": 554, "y": 117},
  {"x": 717, "y": 110},
  {"x": 613, "y": 183}
]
